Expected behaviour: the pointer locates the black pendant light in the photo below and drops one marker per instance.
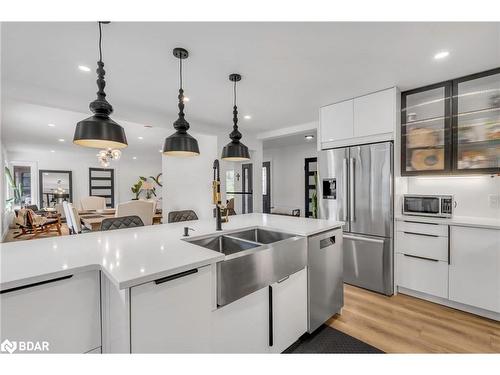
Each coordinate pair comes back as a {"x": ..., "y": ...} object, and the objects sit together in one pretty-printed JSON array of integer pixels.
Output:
[
  {"x": 99, "y": 131},
  {"x": 235, "y": 150},
  {"x": 181, "y": 143}
]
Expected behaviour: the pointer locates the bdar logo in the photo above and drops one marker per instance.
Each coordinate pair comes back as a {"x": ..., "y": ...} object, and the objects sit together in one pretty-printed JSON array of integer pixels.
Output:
[{"x": 8, "y": 346}]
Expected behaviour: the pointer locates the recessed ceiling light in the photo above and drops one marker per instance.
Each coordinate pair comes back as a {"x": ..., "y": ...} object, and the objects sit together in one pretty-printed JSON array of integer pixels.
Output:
[
  {"x": 61, "y": 140},
  {"x": 52, "y": 151},
  {"x": 441, "y": 55},
  {"x": 51, "y": 125},
  {"x": 140, "y": 137},
  {"x": 247, "y": 117},
  {"x": 309, "y": 137},
  {"x": 186, "y": 99},
  {"x": 84, "y": 68},
  {"x": 160, "y": 150},
  {"x": 134, "y": 157}
]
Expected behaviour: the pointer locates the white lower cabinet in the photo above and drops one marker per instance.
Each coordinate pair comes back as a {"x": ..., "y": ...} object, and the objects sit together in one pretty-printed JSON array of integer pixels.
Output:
[
  {"x": 422, "y": 275},
  {"x": 475, "y": 267},
  {"x": 172, "y": 315},
  {"x": 289, "y": 310},
  {"x": 243, "y": 325},
  {"x": 63, "y": 312}
]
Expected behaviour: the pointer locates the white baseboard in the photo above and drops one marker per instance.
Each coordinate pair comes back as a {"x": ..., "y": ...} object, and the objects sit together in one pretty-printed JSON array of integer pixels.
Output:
[{"x": 446, "y": 302}]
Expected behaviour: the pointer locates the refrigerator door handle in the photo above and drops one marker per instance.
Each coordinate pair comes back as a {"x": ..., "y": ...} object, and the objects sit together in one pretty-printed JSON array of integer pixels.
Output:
[
  {"x": 364, "y": 239},
  {"x": 352, "y": 182},
  {"x": 344, "y": 195}
]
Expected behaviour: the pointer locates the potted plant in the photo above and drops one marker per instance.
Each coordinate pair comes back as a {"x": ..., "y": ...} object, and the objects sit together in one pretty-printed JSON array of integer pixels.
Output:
[{"x": 136, "y": 189}]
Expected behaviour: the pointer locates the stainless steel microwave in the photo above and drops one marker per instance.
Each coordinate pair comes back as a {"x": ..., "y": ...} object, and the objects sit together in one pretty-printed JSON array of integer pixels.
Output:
[{"x": 428, "y": 205}]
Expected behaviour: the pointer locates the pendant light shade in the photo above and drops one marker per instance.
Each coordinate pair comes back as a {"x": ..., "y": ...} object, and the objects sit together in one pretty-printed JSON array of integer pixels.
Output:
[
  {"x": 181, "y": 143},
  {"x": 99, "y": 130},
  {"x": 235, "y": 150}
]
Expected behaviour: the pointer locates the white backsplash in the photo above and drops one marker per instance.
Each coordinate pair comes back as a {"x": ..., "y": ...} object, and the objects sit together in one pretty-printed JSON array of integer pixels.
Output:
[{"x": 471, "y": 192}]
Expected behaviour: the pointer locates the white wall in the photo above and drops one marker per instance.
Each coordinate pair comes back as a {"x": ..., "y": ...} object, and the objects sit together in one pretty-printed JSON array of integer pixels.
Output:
[
  {"x": 471, "y": 192},
  {"x": 287, "y": 174},
  {"x": 127, "y": 172},
  {"x": 187, "y": 182}
]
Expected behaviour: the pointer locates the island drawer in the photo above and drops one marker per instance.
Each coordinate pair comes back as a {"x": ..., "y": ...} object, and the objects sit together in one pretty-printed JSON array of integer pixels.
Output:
[{"x": 64, "y": 312}]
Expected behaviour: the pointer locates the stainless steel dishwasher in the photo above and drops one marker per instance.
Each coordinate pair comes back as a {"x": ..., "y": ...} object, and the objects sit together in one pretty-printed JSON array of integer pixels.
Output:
[{"x": 324, "y": 278}]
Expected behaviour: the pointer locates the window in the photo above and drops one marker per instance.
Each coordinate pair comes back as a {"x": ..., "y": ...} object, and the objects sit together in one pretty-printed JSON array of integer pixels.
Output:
[{"x": 230, "y": 183}]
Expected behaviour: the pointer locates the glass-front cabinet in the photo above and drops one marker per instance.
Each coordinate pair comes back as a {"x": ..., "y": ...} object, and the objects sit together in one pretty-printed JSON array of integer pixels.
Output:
[
  {"x": 426, "y": 130},
  {"x": 452, "y": 127},
  {"x": 476, "y": 123}
]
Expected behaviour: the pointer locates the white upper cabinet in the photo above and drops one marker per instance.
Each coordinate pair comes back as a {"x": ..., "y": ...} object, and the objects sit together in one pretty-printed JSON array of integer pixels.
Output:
[
  {"x": 475, "y": 267},
  {"x": 369, "y": 118},
  {"x": 375, "y": 113},
  {"x": 336, "y": 121}
]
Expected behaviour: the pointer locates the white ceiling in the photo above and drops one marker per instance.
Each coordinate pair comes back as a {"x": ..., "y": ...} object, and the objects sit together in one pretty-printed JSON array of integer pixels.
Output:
[
  {"x": 289, "y": 69},
  {"x": 290, "y": 140}
]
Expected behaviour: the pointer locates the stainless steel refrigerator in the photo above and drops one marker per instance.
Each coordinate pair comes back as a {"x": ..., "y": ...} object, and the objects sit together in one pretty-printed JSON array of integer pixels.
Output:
[{"x": 356, "y": 186}]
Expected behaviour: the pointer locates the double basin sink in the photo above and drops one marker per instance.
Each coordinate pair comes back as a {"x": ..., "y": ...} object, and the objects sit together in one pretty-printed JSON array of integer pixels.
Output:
[{"x": 255, "y": 258}]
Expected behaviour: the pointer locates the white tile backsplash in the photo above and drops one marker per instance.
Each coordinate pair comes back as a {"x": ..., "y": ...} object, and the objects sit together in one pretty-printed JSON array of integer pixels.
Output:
[{"x": 472, "y": 193}]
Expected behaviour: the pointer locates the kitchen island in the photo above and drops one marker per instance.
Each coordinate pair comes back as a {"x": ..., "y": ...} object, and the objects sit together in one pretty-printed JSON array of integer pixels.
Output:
[{"x": 146, "y": 289}]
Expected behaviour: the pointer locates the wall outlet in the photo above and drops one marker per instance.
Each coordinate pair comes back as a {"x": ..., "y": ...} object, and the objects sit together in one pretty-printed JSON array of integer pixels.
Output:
[{"x": 494, "y": 200}]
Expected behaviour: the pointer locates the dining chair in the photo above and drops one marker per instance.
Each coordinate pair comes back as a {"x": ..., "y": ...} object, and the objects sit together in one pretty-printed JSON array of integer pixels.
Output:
[
  {"x": 121, "y": 222},
  {"x": 144, "y": 209},
  {"x": 76, "y": 221},
  {"x": 93, "y": 203},
  {"x": 185, "y": 215},
  {"x": 69, "y": 217}
]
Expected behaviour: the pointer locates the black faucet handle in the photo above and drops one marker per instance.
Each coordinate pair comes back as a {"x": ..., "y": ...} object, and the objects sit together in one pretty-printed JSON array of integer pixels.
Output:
[{"x": 186, "y": 231}]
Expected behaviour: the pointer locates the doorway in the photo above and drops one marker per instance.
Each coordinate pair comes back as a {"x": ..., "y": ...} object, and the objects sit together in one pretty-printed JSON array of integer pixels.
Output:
[
  {"x": 311, "y": 198},
  {"x": 247, "y": 191},
  {"x": 266, "y": 187}
]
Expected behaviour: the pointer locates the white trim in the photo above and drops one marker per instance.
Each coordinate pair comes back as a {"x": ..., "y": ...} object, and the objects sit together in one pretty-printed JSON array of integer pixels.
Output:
[
  {"x": 358, "y": 141},
  {"x": 446, "y": 302}
]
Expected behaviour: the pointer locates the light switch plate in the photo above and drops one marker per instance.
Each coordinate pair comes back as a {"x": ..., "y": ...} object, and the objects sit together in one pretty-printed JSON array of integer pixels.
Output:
[{"x": 494, "y": 200}]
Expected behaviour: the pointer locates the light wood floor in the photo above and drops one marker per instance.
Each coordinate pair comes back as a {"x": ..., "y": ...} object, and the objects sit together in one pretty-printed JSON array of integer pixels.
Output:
[{"x": 404, "y": 324}]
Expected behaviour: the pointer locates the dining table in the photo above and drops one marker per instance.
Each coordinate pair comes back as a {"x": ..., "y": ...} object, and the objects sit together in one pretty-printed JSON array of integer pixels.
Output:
[{"x": 92, "y": 219}]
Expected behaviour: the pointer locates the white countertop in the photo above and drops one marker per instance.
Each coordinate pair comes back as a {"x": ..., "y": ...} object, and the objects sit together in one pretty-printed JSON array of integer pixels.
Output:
[
  {"x": 462, "y": 221},
  {"x": 130, "y": 257}
]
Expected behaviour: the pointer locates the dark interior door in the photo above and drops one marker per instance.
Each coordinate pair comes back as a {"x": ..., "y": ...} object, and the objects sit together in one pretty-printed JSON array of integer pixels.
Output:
[
  {"x": 247, "y": 183},
  {"x": 266, "y": 187},
  {"x": 310, "y": 170}
]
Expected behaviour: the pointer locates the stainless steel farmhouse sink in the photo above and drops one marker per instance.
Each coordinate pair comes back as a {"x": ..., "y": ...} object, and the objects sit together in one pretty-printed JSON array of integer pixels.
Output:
[{"x": 255, "y": 258}]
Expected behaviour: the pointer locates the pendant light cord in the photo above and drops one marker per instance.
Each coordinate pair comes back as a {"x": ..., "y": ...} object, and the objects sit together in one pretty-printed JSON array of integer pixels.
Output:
[
  {"x": 100, "y": 42},
  {"x": 180, "y": 72},
  {"x": 234, "y": 101}
]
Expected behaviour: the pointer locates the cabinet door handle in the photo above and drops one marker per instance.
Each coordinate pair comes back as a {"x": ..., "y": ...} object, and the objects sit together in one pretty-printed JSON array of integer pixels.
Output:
[
  {"x": 271, "y": 334},
  {"x": 421, "y": 234},
  {"x": 419, "y": 222},
  {"x": 449, "y": 245},
  {"x": 35, "y": 284},
  {"x": 283, "y": 279},
  {"x": 424, "y": 258},
  {"x": 176, "y": 276}
]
